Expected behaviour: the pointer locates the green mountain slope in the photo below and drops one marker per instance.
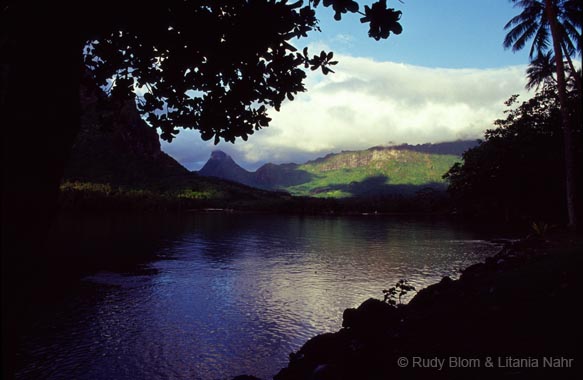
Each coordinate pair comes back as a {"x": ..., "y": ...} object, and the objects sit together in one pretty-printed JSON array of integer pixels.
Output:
[
  {"x": 376, "y": 171},
  {"x": 379, "y": 171}
]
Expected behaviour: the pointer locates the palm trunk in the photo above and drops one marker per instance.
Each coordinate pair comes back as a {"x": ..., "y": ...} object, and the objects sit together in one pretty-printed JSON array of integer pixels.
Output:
[
  {"x": 568, "y": 141},
  {"x": 572, "y": 68}
]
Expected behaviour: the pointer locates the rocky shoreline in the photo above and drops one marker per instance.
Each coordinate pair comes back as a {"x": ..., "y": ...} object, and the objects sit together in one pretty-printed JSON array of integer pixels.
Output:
[{"x": 513, "y": 316}]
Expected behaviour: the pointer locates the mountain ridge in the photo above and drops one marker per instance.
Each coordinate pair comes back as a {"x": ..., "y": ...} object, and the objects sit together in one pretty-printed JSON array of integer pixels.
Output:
[{"x": 399, "y": 169}]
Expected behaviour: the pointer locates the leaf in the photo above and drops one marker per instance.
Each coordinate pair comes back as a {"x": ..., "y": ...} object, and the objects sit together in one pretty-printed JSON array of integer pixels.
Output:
[
  {"x": 295, "y": 5},
  {"x": 149, "y": 97},
  {"x": 288, "y": 46},
  {"x": 397, "y": 28}
]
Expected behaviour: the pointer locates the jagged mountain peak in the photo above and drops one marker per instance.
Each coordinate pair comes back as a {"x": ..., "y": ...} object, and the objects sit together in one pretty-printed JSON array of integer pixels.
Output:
[
  {"x": 219, "y": 155},
  {"x": 221, "y": 165}
]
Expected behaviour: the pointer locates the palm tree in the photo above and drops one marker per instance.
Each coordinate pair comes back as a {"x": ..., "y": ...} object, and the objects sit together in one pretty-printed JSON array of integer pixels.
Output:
[
  {"x": 541, "y": 70},
  {"x": 552, "y": 24}
]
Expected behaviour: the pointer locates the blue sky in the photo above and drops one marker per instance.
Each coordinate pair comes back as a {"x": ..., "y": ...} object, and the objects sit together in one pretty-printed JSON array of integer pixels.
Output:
[
  {"x": 437, "y": 33},
  {"x": 444, "y": 78}
]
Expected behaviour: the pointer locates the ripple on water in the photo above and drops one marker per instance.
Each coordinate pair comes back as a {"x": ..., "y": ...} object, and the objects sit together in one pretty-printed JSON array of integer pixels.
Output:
[{"x": 236, "y": 295}]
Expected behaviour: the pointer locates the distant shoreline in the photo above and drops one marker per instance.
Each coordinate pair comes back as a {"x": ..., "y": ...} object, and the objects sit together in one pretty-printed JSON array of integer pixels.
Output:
[{"x": 87, "y": 197}]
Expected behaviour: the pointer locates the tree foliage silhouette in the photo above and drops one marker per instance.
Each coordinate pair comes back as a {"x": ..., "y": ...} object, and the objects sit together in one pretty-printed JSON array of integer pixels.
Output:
[
  {"x": 217, "y": 66},
  {"x": 513, "y": 173},
  {"x": 556, "y": 25}
]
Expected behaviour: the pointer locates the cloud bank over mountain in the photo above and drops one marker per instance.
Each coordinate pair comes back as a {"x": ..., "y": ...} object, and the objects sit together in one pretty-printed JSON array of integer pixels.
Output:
[{"x": 367, "y": 103}]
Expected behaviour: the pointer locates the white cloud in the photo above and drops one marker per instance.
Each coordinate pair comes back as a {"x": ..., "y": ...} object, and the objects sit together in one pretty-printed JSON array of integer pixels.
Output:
[{"x": 367, "y": 103}]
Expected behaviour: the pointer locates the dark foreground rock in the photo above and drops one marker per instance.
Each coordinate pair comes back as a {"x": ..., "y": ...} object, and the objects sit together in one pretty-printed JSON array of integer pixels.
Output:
[{"x": 516, "y": 316}]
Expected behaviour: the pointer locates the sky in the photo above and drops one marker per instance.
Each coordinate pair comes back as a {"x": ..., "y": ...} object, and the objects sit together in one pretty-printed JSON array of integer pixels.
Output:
[{"x": 445, "y": 78}]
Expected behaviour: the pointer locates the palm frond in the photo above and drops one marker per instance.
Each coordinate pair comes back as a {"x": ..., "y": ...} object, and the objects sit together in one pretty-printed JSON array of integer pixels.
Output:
[
  {"x": 524, "y": 26},
  {"x": 572, "y": 20},
  {"x": 520, "y": 35},
  {"x": 541, "y": 41},
  {"x": 572, "y": 38},
  {"x": 540, "y": 71},
  {"x": 573, "y": 11},
  {"x": 532, "y": 23}
]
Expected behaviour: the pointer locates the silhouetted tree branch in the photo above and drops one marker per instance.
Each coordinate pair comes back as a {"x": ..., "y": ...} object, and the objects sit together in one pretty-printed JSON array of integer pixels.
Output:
[{"x": 218, "y": 66}]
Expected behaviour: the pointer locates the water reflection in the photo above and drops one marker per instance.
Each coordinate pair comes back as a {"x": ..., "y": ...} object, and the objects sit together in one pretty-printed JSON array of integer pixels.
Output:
[{"x": 218, "y": 295}]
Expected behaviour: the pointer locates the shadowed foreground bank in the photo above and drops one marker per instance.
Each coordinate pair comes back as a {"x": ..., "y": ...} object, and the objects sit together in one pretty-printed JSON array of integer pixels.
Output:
[{"x": 513, "y": 317}]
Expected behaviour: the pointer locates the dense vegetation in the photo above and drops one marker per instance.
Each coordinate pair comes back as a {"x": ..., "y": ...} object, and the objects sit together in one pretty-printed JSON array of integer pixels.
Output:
[
  {"x": 213, "y": 195},
  {"x": 554, "y": 27},
  {"x": 516, "y": 173}
]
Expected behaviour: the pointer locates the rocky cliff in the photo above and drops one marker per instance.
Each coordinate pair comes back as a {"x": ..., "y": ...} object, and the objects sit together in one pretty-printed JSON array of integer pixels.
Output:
[{"x": 116, "y": 146}]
